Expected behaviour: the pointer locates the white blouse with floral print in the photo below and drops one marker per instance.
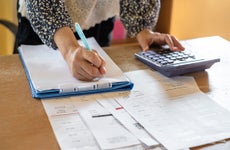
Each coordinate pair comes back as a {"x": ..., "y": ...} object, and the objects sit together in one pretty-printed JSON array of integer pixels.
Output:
[{"x": 47, "y": 16}]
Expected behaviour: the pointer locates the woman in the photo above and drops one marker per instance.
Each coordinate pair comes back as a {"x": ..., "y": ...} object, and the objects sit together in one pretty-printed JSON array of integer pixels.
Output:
[{"x": 52, "y": 22}]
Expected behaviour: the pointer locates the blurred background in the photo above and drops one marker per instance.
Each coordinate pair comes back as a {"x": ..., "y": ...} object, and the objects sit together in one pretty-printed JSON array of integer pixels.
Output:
[
  {"x": 7, "y": 12},
  {"x": 183, "y": 18},
  {"x": 195, "y": 18}
]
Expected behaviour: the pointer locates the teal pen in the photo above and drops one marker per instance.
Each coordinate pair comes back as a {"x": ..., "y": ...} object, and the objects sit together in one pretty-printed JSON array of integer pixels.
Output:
[{"x": 82, "y": 36}]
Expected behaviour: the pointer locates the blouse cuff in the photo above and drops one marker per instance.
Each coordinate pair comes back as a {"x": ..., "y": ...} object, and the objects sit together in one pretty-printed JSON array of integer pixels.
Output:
[{"x": 133, "y": 31}]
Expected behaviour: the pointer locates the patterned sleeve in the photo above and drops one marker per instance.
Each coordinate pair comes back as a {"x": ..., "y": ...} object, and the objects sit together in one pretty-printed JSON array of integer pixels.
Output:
[
  {"x": 137, "y": 15},
  {"x": 46, "y": 17}
]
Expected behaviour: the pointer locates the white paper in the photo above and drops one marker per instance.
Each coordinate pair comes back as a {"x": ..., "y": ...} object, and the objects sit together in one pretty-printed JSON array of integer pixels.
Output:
[
  {"x": 108, "y": 101},
  {"x": 105, "y": 128},
  {"x": 217, "y": 76},
  {"x": 69, "y": 129},
  {"x": 174, "y": 111}
]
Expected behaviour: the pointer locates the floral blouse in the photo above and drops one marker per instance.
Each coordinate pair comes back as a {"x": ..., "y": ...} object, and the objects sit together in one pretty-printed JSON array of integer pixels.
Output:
[{"x": 47, "y": 16}]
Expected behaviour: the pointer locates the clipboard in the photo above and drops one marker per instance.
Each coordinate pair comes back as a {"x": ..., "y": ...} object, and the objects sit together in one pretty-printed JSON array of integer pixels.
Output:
[{"x": 49, "y": 76}]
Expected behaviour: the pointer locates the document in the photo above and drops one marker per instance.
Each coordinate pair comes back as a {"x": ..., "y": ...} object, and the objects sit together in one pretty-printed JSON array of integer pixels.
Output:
[
  {"x": 174, "y": 111},
  {"x": 97, "y": 130},
  {"x": 109, "y": 133},
  {"x": 70, "y": 130},
  {"x": 49, "y": 75},
  {"x": 108, "y": 101}
]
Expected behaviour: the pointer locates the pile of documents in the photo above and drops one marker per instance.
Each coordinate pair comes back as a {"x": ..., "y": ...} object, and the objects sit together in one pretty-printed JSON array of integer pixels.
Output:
[{"x": 158, "y": 113}]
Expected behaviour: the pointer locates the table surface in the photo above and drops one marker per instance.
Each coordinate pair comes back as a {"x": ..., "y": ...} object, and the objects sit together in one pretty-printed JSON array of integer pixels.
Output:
[{"x": 24, "y": 123}]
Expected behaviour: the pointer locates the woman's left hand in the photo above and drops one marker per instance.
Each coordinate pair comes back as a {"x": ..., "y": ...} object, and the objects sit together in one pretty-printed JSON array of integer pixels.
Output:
[{"x": 147, "y": 37}]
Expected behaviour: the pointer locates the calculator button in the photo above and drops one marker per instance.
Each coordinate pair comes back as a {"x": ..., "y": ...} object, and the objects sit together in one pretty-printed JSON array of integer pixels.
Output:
[
  {"x": 185, "y": 56},
  {"x": 150, "y": 56},
  {"x": 162, "y": 57},
  {"x": 155, "y": 58},
  {"x": 163, "y": 62},
  {"x": 173, "y": 58},
  {"x": 179, "y": 57},
  {"x": 168, "y": 60}
]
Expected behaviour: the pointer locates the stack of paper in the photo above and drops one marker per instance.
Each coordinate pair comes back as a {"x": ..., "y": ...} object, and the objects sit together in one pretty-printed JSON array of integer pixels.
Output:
[{"x": 171, "y": 112}]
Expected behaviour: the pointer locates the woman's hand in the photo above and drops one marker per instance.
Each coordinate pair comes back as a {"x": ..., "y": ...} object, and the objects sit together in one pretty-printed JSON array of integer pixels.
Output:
[
  {"x": 83, "y": 64},
  {"x": 147, "y": 37},
  {"x": 86, "y": 65}
]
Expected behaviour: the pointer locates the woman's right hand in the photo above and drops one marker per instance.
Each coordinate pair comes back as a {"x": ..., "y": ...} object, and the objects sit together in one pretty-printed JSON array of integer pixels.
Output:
[{"x": 85, "y": 65}]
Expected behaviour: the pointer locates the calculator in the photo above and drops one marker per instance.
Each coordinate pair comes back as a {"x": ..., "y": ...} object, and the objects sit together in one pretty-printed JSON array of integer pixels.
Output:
[{"x": 173, "y": 63}]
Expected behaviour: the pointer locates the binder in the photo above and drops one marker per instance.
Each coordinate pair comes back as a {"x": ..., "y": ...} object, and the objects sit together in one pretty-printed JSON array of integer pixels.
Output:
[{"x": 49, "y": 76}]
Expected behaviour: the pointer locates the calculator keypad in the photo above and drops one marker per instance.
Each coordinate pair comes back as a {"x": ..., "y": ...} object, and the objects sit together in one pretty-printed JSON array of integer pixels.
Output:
[
  {"x": 166, "y": 57},
  {"x": 173, "y": 63}
]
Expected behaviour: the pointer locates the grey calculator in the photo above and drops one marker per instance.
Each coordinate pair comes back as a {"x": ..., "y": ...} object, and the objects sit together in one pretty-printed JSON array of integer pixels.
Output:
[{"x": 173, "y": 63}]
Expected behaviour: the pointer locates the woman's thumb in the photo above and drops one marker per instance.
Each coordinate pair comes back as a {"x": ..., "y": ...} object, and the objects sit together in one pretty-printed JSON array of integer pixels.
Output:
[{"x": 144, "y": 45}]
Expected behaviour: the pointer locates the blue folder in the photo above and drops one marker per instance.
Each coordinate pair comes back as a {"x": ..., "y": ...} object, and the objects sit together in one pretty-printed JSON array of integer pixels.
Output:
[{"x": 49, "y": 75}]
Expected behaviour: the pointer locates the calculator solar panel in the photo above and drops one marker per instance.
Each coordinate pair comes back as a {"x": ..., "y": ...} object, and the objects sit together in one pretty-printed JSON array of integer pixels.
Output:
[{"x": 172, "y": 63}]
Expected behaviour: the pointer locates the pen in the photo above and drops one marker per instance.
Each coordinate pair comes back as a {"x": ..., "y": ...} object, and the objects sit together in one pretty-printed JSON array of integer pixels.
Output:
[{"x": 82, "y": 36}]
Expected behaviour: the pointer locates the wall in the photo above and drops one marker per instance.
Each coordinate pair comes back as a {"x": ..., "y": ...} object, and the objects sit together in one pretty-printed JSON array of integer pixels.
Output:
[
  {"x": 195, "y": 18},
  {"x": 8, "y": 12}
]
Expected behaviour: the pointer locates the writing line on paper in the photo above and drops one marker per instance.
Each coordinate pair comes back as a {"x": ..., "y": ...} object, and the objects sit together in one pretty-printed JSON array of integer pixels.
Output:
[{"x": 104, "y": 115}]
